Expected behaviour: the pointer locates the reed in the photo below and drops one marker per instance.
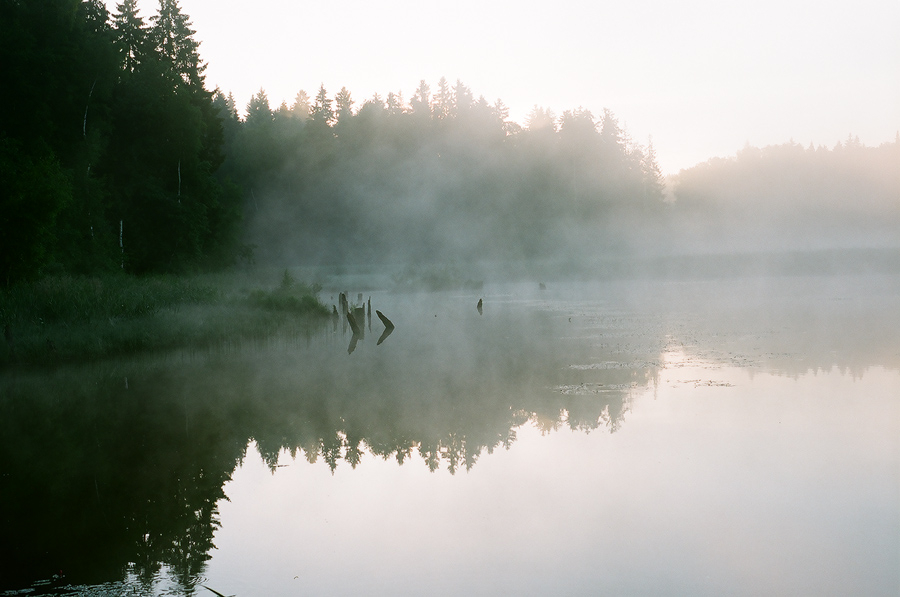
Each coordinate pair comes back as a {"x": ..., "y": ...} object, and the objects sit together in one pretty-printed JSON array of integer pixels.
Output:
[{"x": 68, "y": 318}]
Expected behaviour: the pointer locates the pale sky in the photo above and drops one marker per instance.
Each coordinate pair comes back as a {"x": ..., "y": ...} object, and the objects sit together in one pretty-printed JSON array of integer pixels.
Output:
[{"x": 702, "y": 77}]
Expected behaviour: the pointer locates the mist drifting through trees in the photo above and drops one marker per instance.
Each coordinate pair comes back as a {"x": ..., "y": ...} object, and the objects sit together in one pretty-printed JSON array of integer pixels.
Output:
[
  {"x": 444, "y": 176},
  {"x": 119, "y": 158}
]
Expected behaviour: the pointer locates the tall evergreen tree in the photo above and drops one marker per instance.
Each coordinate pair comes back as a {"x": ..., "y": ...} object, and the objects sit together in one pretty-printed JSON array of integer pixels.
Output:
[
  {"x": 300, "y": 109},
  {"x": 321, "y": 110},
  {"x": 420, "y": 103},
  {"x": 462, "y": 99},
  {"x": 131, "y": 34},
  {"x": 611, "y": 136},
  {"x": 443, "y": 100},
  {"x": 541, "y": 119},
  {"x": 394, "y": 103},
  {"x": 654, "y": 184},
  {"x": 343, "y": 105},
  {"x": 259, "y": 113},
  {"x": 173, "y": 38}
]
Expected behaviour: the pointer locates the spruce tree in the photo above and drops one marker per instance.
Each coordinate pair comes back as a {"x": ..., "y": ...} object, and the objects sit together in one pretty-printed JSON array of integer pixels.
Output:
[
  {"x": 321, "y": 111},
  {"x": 130, "y": 35},
  {"x": 173, "y": 38}
]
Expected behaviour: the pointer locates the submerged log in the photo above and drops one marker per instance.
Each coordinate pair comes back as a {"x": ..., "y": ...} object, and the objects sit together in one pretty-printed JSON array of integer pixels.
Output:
[
  {"x": 353, "y": 341},
  {"x": 359, "y": 313},
  {"x": 343, "y": 308},
  {"x": 351, "y": 319},
  {"x": 387, "y": 332},
  {"x": 387, "y": 322}
]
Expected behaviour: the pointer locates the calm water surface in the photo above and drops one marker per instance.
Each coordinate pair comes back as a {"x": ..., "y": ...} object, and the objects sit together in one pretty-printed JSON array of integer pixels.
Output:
[{"x": 736, "y": 437}]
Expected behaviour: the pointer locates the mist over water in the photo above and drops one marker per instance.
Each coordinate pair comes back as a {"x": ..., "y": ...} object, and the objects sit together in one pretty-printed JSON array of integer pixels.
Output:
[
  {"x": 542, "y": 208},
  {"x": 557, "y": 373},
  {"x": 580, "y": 412},
  {"x": 409, "y": 345}
]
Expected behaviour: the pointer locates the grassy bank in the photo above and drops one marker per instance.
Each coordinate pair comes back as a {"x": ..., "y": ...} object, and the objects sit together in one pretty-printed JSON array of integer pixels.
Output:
[{"x": 67, "y": 318}]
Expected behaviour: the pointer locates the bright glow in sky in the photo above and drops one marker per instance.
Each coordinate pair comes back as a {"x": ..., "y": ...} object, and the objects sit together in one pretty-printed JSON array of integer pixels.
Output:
[{"x": 703, "y": 77}]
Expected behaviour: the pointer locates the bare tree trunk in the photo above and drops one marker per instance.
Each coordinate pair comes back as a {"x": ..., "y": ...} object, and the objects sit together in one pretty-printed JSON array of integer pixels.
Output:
[
  {"x": 121, "y": 245},
  {"x": 84, "y": 123}
]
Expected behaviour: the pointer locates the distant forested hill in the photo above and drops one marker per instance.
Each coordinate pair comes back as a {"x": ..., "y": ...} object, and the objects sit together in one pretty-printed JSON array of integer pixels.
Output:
[{"x": 790, "y": 197}]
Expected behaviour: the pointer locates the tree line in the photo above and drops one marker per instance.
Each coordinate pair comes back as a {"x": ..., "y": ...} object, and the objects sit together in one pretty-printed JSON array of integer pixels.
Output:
[
  {"x": 789, "y": 196},
  {"x": 442, "y": 175},
  {"x": 115, "y": 156}
]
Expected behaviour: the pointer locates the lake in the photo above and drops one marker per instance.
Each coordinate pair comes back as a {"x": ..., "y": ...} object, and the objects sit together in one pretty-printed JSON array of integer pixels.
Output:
[{"x": 726, "y": 436}]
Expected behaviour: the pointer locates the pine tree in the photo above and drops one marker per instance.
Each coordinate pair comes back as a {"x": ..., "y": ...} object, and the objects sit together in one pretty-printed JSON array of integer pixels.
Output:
[
  {"x": 300, "y": 108},
  {"x": 321, "y": 111},
  {"x": 612, "y": 142},
  {"x": 174, "y": 40},
  {"x": 394, "y": 103},
  {"x": 259, "y": 113},
  {"x": 540, "y": 119},
  {"x": 654, "y": 183},
  {"x": 130, "y": 35},
  {"x": 343, "y": 104},
  {"x": 443, "y": 100},
  {"x": 462, "y": 99},
  {"x": 420, "y": 102}
]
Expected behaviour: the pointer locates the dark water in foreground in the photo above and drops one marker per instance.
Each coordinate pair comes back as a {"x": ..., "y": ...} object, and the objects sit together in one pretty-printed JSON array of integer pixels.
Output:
[{"x": 735, "y": 437}]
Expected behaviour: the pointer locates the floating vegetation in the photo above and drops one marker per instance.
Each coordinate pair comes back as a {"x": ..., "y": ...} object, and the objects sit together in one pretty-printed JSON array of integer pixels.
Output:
[
  {"x": 607, "y": 365},
  {"x": 707, "y": 383},
  {"x": 585, "y": 389}
]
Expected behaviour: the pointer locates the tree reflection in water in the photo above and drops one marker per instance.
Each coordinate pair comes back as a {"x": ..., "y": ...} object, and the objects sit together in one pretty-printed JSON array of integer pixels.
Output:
[
  {"x": 117, "y": 468},
  {"x": 104, "y": 479}
]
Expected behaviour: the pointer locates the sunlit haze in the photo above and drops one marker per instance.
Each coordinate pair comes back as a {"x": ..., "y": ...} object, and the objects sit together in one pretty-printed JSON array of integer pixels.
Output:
[
  {"x": 702, "y": 78},
  {"x": 460, "y": 298}
]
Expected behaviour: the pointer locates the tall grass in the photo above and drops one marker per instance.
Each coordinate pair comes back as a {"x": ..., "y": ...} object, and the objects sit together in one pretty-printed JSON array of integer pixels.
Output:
[
  {"x": 290, "y": 296},
  {"x": 69, "y": 299},
  {"x": 76, "y": 318}
]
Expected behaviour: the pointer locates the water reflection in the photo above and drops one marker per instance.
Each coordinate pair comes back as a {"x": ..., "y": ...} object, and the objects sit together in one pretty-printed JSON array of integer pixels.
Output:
[
  {"x": 115, "y": 469},
  {"x": 388, "y": 325},
  {"x": 99, "y": 478},
  {"x": 119, "y": 466}
]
